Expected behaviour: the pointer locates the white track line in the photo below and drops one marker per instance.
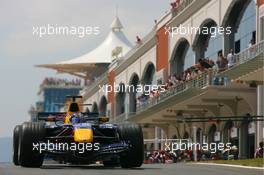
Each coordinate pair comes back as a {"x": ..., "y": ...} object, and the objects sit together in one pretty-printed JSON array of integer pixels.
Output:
[{"x": 229, "y": 165}]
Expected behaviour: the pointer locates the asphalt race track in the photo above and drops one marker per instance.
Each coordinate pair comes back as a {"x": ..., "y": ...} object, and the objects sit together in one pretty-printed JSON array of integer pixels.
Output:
[{"x": 154, "y": 169}]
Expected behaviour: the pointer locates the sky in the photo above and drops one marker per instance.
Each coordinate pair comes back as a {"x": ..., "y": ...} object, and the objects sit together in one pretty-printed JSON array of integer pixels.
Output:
[{"x": 20, "y": 50}]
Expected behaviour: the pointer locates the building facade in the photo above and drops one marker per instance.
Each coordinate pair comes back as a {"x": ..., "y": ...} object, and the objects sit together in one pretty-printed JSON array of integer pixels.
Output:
[{"x": 201, "y": 108}]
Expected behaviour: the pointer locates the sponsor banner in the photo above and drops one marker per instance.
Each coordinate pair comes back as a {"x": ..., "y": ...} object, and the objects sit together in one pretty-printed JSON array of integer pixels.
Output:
[
  {"x": 204, "y": 138},
  {"x": 251, "y": 128},
  {"x": 233, "y": 132},
  {"x": 217, "y": 136}
]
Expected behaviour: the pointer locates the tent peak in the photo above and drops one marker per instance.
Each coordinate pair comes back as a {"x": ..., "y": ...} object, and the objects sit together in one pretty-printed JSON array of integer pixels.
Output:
[{"x": 116, "y": 24}]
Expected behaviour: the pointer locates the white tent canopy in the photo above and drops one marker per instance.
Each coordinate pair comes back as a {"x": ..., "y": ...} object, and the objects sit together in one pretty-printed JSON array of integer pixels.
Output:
[{"x": 94, "y": 63}]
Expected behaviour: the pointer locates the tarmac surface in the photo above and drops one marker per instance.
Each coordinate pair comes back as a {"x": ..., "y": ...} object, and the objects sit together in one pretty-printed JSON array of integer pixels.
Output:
[{"x": 153, "y": 169}]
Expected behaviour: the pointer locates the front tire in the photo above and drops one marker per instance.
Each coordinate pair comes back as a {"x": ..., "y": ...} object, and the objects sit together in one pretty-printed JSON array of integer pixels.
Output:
[
  {"x": 114, "y": 162},
  {"x": 16, "y": 134},
  {"x": 132, "y": 134},
  {"x": 31, "y": 132}
]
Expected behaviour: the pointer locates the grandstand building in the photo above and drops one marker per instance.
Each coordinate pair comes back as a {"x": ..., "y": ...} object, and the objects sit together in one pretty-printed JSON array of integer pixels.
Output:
[
  {"x": 52, "y": 95},
  {"x": 212, "y": 104}
]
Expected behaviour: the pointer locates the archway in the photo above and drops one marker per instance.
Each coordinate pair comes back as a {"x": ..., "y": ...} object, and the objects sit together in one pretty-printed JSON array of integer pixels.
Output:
[
  {"x": 202, "y": 39},
  {"x": 227, "y": 131},
  {"x": 120, "y": 100},
  {"x": 87, "y": 110},
  {"x": 211, "y": 133},
  {"x": 134, "y": 81},
  {"x": 199, "y": 135},
  {"x": 102, "y": 106},
  {"x": 240, "y": 15},
  {"x": 174, "y": 137},
  {"x": 148, "y": 74},
  {"x": 186, "y": 135},
  {"x": 95, "y": 107},
  {"x": 178, "y": 61}
]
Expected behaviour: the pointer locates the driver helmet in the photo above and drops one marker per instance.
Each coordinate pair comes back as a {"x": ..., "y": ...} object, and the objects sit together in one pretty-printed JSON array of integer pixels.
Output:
[{"x": 75, "y": 118}]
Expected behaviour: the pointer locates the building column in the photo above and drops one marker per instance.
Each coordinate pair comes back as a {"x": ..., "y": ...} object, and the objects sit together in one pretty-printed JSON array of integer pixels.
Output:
[
  {"x": 162, "y": 137},
  {"x": 260, "y": 112},
  {"x": 243, "y": 140},
  {"x": 257, "y": 24},
  {"x": 126, "y": 105},
  {"x": 194, "y": 141},
  {"x": 260, "y": 20},
  {"x": 156, "y": 144}
]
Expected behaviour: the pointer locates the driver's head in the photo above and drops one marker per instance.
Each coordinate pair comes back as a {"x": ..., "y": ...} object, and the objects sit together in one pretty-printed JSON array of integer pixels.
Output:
[{"x": 75, "y": 118}]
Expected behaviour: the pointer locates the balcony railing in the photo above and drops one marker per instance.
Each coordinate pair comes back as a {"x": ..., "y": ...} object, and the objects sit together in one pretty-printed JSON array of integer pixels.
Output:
[
  {"x": 249, "y": 53},
  {"x": 200, "y": 81},
  {"x": 244, "y": 56}
]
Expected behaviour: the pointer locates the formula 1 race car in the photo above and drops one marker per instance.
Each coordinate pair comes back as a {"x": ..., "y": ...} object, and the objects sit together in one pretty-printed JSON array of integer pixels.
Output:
[{"x": 75, "y": 137}]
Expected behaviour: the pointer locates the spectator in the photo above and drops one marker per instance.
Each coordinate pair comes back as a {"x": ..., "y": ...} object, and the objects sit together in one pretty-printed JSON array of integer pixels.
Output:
[
  {"x": 162, "y": 156},
  {"x": 233, "y": 153},
  {"x": 221, "y": 62},
  {"x": 251, "y": 46},
  {"x": 173, "y": 5},
  {"x": 204, "y": 63},
  {"x": 251, "y": 43},
  {"x": 231, "y": 59},
  {"x": 211, "y": 63},
  {"x": 259, "y": 151},
  {"x": 188, "y": 75},
  {"x": 225, "y": 154},
  {"x": 138, "y": 40}
]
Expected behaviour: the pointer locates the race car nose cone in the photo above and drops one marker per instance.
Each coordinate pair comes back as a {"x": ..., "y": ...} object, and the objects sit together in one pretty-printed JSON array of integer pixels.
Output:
[{"x": 83, "y": 135}]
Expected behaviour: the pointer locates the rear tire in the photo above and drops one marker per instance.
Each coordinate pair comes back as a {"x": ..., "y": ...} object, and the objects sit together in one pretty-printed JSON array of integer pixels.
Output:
[
  {"x": 16, "y": 133},
  {"x": 31, "y": 132},
  {"x": 132, "y": 134}
]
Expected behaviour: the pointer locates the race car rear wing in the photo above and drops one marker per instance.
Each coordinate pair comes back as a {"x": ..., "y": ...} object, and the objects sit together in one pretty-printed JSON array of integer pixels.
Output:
[
  {"x": 60, "y": 116},
  {"x": 50, "y": 116}
]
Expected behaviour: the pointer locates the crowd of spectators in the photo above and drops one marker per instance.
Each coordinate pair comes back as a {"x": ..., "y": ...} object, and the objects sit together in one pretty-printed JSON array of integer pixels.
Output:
[
  {"x": 162, "y": 156},
  {"x": 177, "y": 79},
  {"x": 221, "y": 64},
  {"x": 50, "y": 81}
]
